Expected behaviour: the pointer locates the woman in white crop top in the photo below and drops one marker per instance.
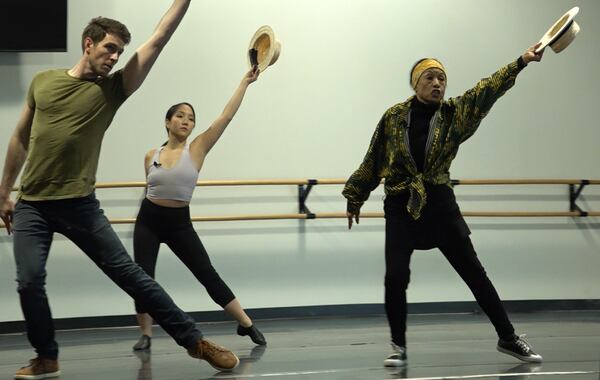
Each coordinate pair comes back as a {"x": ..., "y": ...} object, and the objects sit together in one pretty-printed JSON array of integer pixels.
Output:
[{"x": 164, "y": 217}]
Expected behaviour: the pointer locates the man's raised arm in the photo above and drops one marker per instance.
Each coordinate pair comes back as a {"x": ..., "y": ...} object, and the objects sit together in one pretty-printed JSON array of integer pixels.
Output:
[{"x": 138, "y": 67}]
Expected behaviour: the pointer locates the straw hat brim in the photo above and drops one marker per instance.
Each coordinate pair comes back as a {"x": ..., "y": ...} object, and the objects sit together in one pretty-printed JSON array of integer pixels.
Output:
[
  {"x": 562, "y": 33},
  {"x": 264, "y": 48}
]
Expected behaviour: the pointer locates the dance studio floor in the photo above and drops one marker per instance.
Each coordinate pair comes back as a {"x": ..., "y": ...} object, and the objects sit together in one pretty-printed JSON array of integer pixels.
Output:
[{"x": 449, "y": 346}]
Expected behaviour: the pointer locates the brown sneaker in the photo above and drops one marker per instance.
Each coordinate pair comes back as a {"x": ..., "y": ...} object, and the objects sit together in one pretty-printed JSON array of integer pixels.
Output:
[
  {"x": 217, "y": 356},
  {"x": 39, "y": 368}
]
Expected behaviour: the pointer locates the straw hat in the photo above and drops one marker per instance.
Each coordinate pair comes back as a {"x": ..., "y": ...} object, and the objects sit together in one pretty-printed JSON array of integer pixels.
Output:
[
  {"x": 562, "y": 33},
  {"x": 264, "y": 49}
]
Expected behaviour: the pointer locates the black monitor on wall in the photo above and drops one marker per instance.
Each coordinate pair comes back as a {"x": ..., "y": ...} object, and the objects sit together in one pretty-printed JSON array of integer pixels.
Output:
[{"x": 33, "y": 25}]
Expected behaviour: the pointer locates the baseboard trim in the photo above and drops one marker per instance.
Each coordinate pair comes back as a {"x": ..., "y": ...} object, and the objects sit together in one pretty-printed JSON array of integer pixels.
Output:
[{"x": 350, "y": 310}]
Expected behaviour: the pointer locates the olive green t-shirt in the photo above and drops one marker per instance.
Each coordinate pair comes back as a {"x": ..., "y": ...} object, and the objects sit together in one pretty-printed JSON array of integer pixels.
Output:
[{"x": 70, "y": 118}]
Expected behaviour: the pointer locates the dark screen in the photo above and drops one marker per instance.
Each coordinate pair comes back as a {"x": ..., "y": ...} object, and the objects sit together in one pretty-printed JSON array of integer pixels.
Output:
[{"x": 33, "y": 25}]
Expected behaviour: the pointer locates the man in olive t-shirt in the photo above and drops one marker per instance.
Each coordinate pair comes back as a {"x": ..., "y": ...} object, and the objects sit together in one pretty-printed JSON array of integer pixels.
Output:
[
  {"x": 58, "y": 139},
  {"x": 71, "y": 116}
]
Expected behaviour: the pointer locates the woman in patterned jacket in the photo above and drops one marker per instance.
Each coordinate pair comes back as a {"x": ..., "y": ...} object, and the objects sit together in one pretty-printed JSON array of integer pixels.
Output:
[{"x": 412, "y": 148}]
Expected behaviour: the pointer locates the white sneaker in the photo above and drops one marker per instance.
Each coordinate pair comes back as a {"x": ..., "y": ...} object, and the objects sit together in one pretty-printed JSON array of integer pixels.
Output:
[{"x": 397, "y": 358}]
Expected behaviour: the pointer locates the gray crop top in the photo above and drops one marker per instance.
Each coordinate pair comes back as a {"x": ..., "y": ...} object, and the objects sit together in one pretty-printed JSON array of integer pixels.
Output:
[{"x": 176, "y": 183}]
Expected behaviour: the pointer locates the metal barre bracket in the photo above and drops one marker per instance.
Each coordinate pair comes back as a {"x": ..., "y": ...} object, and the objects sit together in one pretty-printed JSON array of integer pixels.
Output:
[
  {"x": 303, "y": 191},
  {"x": 574, "y": 194}
]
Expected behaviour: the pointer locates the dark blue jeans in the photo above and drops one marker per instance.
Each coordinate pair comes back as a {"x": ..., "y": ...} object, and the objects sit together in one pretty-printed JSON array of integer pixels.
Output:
[{"x": 83, "y": 222}]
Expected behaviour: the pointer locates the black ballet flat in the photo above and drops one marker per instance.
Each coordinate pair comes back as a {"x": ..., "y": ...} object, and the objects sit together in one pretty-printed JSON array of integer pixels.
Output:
[
  {"x": 254, "y": 334},
  {"x": 143, "y": 344}
]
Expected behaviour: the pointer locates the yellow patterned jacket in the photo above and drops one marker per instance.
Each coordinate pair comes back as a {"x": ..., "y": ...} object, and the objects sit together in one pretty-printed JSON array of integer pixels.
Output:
[{"x": 389, "y": 155}]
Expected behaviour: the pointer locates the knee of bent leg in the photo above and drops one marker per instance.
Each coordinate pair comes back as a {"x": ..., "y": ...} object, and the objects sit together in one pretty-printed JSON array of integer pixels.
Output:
[{"x": 30, "y": 283}]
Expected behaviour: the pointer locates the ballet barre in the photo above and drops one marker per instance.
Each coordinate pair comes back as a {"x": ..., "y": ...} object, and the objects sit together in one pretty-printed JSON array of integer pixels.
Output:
[{"x": 304, "y": 186}]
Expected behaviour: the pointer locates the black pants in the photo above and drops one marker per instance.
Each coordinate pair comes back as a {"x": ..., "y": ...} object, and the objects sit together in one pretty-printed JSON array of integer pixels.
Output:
[
  {"x": 172, "y": 226},
  {"x": 459, "y": 251}
]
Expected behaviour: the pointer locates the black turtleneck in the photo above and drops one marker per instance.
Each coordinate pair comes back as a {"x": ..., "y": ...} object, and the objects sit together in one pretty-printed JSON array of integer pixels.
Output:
[
  {"x": 420, "y": 117},
  {"x": 441, "y": 202}
]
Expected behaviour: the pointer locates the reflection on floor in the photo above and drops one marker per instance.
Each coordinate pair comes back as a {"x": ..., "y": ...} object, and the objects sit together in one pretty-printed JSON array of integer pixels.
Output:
[{"x": 448, "y": 346}]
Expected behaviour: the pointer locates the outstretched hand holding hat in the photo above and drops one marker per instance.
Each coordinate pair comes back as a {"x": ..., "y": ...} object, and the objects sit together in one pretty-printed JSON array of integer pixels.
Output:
[
  {"x": 532, "y": 54},
  {"x": 252, "y": 75},
  {"x": 264, "y": 49}
]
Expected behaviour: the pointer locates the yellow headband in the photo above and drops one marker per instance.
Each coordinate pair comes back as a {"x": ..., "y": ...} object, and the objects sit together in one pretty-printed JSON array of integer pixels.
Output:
[{"x": 426, "y": 64}]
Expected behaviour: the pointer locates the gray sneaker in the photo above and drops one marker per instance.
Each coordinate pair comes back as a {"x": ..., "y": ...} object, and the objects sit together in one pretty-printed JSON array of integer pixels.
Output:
[
  {"x": 397, "y": 358},
  {"x": 520, "y": 349}
]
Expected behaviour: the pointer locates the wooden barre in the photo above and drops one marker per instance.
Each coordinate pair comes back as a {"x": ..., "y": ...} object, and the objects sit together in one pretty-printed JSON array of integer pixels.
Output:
[
  {"x": 519, "y": 214},
  {"x": 341, "y": 215},
  {"x": 256, "y": 182},
  {"x": 339, "y": 181},
  {"x": 527, "y": 182},
  {"x": 334, "y": 181}
]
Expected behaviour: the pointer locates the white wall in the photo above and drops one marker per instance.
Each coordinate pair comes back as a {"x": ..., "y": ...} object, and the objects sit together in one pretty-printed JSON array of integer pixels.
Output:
[{"x": 311, "y": 115}]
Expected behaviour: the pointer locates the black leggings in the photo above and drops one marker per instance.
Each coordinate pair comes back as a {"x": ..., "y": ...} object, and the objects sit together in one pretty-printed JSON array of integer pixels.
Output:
[
  {"x": 172, "y": 226},
  {"x": 460, "y": 253}
]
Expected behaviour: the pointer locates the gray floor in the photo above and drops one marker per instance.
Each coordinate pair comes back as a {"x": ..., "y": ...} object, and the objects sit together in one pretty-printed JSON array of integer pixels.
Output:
[{"x": 459, "y": 346}]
